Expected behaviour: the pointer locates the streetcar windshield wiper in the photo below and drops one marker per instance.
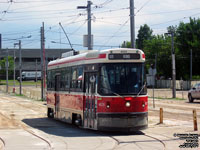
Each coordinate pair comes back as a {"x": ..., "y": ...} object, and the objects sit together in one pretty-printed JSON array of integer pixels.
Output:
[
  {"x": 112, "y": 92},
  {"x": 140, "y": 90}
]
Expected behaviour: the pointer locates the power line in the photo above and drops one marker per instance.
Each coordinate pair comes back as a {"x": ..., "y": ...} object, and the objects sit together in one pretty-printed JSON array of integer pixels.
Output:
[
  {"x": 103, "y": 4},
  {"x": 5, "y": 12},
  {"x": 38, "y": 6},
  {"x": 166, "y": 12},
  {"x": 115, "y": 33},
  {"x": 142, "y": 7},
  {"x": 175, "y": 20}
]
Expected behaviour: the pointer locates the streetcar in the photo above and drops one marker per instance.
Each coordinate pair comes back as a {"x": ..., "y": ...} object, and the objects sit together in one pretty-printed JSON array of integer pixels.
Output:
[{"x": 100, "y": 90}]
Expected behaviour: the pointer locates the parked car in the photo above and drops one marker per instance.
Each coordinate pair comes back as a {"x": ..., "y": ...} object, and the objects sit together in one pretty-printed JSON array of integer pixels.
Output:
[{"x": 194, "y": 93}]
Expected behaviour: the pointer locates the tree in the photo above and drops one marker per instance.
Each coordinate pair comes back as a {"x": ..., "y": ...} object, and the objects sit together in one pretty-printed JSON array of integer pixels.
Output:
[
  {"x": 3, "y": 66},
  {"x": 144, "y": 33},
  {"x": 158, "y": 49},
  {"x": 188, "y": 38},
  {"x": 126, "y": 44}
]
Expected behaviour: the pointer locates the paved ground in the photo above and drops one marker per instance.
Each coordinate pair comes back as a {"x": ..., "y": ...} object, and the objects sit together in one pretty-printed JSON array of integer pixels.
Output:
[{"x": 24, "y": 125}]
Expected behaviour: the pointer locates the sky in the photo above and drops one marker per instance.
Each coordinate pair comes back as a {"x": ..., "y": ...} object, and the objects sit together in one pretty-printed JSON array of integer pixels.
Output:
[{"x": 22, "y": 19}]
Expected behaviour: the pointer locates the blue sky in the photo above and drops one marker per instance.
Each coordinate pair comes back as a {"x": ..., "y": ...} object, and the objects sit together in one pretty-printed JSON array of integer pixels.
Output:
[{"x": 20, "y": 19}]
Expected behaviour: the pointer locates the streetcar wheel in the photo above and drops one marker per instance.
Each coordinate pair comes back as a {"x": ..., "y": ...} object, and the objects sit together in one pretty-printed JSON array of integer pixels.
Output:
[
  {"x": 50, "y": 113},
  {"x": 190, "y": 98}
]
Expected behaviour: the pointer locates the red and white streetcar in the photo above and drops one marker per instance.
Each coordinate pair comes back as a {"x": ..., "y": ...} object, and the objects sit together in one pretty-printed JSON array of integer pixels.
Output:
[{"x": 100, "y": 90}]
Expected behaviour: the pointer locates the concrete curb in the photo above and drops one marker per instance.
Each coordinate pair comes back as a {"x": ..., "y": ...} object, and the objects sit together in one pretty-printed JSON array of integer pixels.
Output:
[{"x": 30, "y": 92}]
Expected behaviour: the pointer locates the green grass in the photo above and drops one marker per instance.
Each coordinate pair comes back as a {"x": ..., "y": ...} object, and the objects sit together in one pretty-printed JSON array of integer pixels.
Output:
[
  {"x": 20, "y": 95},
  {"x": 11, "y": 82},
  {"x": 179, "y": 99}
]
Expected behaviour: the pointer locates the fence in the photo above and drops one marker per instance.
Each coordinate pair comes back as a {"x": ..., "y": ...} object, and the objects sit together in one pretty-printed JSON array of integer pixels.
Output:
[{"x": 180, "y": 84}]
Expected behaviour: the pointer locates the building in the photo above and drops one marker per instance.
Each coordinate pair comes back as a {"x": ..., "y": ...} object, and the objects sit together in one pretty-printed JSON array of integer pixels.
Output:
[{"x": 31, "y": 58}]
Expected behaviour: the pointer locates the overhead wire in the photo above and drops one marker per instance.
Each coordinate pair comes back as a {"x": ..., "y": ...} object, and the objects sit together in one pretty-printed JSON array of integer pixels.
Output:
[
  {"x": 5, "y": 12},
  {"x": 107, "y": 41},
  {"x": 142, "y": 7}
]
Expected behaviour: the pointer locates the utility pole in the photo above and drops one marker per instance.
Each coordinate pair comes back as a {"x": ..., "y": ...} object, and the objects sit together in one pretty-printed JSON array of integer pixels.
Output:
[
  {"x": 132, "y": 23},
  {"x": 7, "y": 71},
  {"x": 0, "y": 41},
  {"x": 20, "y": 68},
  {"x": 173, "y": 67},
  {"x": 36, "y": 72},
  {"x": 190, "y": 68},
  {"x": 42, "y": 54},
  {"x": 89, "y": 37},
  {"x": 14, "y": 71}
]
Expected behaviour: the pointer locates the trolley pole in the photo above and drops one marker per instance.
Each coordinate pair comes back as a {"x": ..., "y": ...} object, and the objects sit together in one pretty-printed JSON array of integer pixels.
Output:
[
  {"x": 89, "y": 37},
  {"x": 132, "y": 23}
]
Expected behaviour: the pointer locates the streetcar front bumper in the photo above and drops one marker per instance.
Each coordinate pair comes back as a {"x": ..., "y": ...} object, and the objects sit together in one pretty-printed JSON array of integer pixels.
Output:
[{"x": 122, "y": 121}]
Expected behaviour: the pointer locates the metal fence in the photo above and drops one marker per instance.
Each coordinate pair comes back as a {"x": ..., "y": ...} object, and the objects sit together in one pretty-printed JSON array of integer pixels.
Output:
[{"x": 180, "y": 84}]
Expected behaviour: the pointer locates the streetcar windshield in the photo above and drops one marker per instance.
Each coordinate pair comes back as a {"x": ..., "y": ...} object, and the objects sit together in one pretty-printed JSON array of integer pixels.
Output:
[{"x": 123, "y": 79}]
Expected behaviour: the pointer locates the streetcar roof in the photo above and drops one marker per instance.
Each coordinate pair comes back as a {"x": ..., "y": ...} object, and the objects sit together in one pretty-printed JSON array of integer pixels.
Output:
[{"x": 96, "y": 56}]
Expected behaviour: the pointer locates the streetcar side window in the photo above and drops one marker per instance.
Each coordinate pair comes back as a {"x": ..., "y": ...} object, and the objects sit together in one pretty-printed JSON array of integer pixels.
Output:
[
  {"x": 62, "y": 80},
  {"x": 67, "y": 78},
  {"x": 49, "y": 81},
  {"x": 76, "y": 79},
  {"x": 80, "y": 77}
]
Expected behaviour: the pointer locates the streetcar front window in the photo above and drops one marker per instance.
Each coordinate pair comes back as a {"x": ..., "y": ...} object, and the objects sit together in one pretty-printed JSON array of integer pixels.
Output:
[{"x": 122, "y": 79}]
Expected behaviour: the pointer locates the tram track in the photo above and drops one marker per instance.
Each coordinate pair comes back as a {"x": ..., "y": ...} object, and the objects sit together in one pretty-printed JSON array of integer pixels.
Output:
[
  {"x": 2, "y": 144},
  {"x": 25, "y": 128},
  {"x": 119, "y": 142}
]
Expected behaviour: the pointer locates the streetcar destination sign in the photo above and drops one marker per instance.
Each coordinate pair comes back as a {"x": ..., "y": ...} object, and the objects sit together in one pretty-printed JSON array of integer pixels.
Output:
[{"x": 124, "y": 56}]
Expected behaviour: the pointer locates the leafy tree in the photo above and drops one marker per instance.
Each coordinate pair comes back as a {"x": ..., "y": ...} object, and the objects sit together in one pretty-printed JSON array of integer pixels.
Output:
[
  {"x": 158, "y": 50},
  {"x": 188, "y": 38},
  {"x": 3, "y": 66},
  {"x": 144, "y": 33},
  {"x": 126, "y": 44}
]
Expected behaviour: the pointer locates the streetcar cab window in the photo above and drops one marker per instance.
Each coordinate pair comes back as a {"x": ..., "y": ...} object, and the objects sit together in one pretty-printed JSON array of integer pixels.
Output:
[{"x": 122, "y": 79}]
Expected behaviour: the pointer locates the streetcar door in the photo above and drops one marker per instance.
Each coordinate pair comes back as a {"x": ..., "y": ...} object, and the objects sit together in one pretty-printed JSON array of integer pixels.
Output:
[
  {"x": 57, "y": 98},
  {"x": 90, "y": 100}
]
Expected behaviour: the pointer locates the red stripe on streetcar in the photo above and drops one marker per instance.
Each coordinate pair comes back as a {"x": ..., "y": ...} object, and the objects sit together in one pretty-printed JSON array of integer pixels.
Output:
[
  {"x": 143, "y": 56},
  {"x": 101, "y": 56}
]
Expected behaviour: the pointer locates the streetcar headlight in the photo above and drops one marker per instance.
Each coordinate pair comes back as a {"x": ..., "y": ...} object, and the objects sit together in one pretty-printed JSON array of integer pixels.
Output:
[
  {"x": 143, "y": 105},
  {"x": 108, "y": 105},
  {"x": 128, "y": 104}
]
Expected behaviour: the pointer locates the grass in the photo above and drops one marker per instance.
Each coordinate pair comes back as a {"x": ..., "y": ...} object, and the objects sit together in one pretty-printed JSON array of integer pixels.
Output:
[
  {"x": 20, "y": 95},
  {"x": 11, "y": 82},
  {"x": 179, "y": 99}
]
